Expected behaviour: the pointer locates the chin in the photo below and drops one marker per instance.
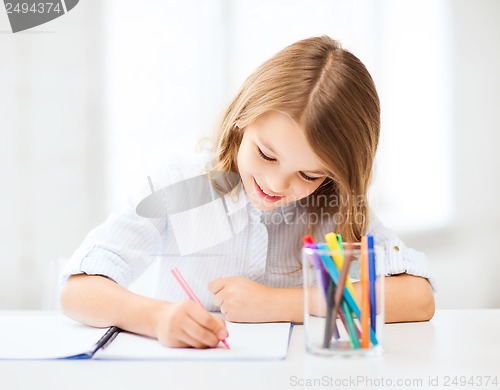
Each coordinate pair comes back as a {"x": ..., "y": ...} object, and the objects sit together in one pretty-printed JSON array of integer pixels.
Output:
[{"x": 265, "y": 207}]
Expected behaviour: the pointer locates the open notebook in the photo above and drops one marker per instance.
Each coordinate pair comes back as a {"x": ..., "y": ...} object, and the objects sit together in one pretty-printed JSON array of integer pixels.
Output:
[{"x": 49, "y": 335}]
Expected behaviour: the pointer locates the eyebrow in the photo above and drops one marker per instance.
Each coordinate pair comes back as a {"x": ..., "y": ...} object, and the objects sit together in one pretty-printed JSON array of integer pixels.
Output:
[{"x": 320, "y": 173}]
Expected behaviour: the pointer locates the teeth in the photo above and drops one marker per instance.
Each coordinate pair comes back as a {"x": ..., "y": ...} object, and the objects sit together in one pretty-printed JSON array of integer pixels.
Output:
[{"x": 272, "y": 196}]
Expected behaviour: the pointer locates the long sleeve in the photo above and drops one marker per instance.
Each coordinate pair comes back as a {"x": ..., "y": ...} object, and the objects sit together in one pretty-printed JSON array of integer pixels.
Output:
[
  {"x": 121, "y": 248},
  {"x": 399, "y": 258},
  {"x": 124, "y": 245}
]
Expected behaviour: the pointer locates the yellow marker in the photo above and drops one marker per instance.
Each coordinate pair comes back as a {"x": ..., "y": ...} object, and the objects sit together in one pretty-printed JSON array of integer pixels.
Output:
[{"x": 338, "y": 259}]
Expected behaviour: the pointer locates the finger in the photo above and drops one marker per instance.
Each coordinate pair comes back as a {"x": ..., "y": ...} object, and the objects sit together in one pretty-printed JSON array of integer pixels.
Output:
[
  {"x": 198, "y": 317},
  {"x": 191, "y": 332},
  {"x": 187, "y": 340},
  {"x": 199, "y": 336},
  {"x": 211, "y": 323},
  {"x": 183, "y": 340},
  {"x": 224, "y": 312},
  {"x": 218, "y": 299},
  {"x": 216, "y": 285},
  {"x": 173, "y": 330},
  {"x": 218, "y": 327}
]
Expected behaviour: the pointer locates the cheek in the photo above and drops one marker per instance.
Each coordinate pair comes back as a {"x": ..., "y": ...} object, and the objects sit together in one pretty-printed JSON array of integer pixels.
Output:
[
  {"x": 308, "y": 188},
  {"x": 248, "y": 161},
  {"x": 242, "y": 159}
]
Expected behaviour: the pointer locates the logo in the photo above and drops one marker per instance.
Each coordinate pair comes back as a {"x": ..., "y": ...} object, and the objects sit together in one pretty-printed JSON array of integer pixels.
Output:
[
  {"x": 25, "y": 14},
  {"x": 203, "y": 211}
]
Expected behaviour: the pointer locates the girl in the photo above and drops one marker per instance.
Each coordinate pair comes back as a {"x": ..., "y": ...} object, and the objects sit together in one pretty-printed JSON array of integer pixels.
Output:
[{"x": 301, "y": 135}]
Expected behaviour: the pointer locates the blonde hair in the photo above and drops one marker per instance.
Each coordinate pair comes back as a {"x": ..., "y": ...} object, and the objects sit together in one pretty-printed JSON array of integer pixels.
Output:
[{"x": 329, "y": 92}]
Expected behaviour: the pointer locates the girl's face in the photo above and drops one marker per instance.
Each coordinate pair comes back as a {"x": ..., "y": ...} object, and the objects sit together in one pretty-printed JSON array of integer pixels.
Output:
[{"x": 276, "y": 164}]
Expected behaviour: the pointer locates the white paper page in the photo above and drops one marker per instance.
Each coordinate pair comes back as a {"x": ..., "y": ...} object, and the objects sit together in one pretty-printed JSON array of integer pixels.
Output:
[
  {"x": 246, "y": 341},
  {"x": 43, "y": 335}
]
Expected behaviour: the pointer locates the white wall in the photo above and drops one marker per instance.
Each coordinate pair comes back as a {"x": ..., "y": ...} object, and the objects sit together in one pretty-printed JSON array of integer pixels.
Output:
[
  {"x": 464, "y": 253},
  {"x": 68, "y": 91},
  {"x": 51, "y": 149}
]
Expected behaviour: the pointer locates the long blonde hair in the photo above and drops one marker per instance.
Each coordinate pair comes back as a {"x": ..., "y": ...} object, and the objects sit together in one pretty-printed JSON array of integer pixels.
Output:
[{"x": 329, "y": 92}]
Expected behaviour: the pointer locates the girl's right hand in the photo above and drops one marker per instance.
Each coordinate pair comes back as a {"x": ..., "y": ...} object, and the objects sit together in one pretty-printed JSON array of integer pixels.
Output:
[{"x": 186, "y": 324}]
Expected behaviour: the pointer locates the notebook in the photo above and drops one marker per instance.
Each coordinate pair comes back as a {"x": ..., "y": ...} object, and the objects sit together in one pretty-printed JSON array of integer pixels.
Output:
[{"x": 44, "y": 335}]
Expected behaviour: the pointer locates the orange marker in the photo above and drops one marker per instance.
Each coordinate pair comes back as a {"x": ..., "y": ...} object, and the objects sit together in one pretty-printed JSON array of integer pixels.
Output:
[{"x": 365, "y": 295}]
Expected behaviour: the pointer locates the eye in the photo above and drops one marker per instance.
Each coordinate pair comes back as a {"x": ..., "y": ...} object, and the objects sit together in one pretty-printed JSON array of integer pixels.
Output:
[
  {"x": 308, "y": 178},
  {"x": 267, "y": 158}
]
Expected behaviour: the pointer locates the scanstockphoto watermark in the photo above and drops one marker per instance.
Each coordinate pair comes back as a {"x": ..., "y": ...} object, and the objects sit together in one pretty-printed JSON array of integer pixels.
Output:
[
  {"x": 364, "y": 381},
  {"x": 316, "y": 217},
  {"x": 223, "y": 190},
  {"x": 26, "y": 14},
  {"x": 327, "y": 381},
  {"x": 334, "y": 200},
  {"x": 209, "y": 209}
]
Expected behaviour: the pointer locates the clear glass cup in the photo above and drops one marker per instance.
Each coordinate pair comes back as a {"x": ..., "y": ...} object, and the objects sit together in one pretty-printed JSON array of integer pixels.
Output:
[{"x": 334, "y": 318}]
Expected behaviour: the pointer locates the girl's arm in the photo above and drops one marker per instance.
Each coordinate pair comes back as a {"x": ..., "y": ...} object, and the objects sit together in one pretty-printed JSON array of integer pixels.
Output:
[
  {"x": 407, "y": 298},
  {"x": 100, "y": 302}
]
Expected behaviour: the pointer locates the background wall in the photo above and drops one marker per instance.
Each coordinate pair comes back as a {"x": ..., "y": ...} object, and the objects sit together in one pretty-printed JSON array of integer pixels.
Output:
[
  {"x": 51, "y": 149},
  {"x": 92, "y": 100},
  {"x": 462, "y": 253}
]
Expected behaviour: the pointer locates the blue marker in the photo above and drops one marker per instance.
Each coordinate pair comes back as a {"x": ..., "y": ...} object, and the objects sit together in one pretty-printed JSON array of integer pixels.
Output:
[{"x": 373, "y": 279}]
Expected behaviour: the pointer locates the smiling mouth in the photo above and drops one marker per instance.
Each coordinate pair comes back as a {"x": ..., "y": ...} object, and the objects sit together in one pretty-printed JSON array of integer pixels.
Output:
[{"x": 264, "y": 195}]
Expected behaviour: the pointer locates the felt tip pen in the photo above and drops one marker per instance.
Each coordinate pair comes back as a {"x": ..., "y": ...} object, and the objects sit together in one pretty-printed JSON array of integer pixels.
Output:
[
  {"x": 365, "y": 295},
  {"x": 372, "y": 275},
  {"x": 190, "y": 293}
]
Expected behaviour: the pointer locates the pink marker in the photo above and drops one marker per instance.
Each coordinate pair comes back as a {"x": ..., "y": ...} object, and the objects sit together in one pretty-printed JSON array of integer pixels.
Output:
[{"x": 190, "y": 293}]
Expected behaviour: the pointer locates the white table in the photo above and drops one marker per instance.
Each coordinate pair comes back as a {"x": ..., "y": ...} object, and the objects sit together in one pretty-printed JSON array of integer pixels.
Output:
[{"x": 455, "y": 345}]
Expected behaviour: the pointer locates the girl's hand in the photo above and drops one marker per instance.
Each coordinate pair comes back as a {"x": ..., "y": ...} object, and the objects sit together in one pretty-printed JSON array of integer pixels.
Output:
[
  {"x": 186, "y": 324},
  {"x": 244, "y": 300}
]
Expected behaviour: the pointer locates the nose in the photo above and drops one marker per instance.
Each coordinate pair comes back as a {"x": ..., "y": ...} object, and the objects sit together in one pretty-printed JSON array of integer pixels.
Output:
[{"x": 279, "y": 183}]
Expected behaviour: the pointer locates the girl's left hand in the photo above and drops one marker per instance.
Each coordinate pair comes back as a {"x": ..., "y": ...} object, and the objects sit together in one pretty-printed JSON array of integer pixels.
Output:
[{"x": 244, "y": 300}]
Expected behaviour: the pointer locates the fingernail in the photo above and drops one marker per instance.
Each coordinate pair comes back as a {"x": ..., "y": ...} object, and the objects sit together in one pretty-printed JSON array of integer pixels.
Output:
[{"x": 222, "y": 334}]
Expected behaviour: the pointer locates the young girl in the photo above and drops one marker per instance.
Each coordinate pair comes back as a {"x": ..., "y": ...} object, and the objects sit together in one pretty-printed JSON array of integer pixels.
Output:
[{"x": 301, "y": 136}]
